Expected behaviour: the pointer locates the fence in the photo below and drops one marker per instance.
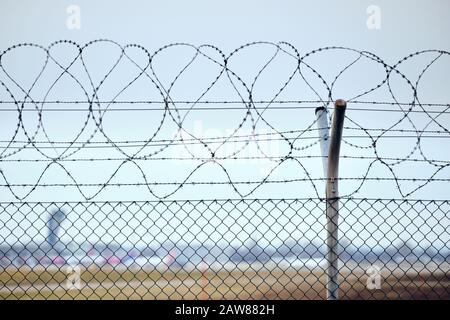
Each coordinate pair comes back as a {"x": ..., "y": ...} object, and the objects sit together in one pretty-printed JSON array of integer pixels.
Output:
[{"x": 122, "y": 180}]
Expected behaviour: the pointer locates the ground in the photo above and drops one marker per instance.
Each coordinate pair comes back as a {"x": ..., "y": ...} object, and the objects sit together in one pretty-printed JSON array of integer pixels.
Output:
[{"x": 252, "y": 282}]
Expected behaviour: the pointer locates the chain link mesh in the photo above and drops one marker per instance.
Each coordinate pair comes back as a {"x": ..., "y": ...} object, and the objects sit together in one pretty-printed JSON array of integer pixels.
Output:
[{"x": 232, "y": 249}]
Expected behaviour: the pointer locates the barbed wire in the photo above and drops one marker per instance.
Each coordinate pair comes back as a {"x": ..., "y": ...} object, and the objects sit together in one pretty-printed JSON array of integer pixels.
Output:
[
  {"x": 30, "y": 140},
  {"x": 274, "y": 102}
]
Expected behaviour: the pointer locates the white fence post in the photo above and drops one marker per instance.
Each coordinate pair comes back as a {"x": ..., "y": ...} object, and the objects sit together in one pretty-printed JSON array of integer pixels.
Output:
[{"x": 322, "y": 127}]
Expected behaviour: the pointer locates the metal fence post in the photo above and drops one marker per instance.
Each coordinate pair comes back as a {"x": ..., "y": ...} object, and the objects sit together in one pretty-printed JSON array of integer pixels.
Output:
[
  {"x": 322, "y": 127},
  {"x": 332, "y": 196}
]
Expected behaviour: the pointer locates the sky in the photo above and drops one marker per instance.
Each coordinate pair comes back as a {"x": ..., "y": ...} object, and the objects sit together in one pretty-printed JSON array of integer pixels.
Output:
[{"x": 399, "y": 29}]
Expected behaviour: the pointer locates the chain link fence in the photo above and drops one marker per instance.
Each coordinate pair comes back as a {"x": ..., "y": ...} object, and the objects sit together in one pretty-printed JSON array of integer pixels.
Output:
[
  {"x": 86, "y": 125},
  {"x": 216, "y": 249}
]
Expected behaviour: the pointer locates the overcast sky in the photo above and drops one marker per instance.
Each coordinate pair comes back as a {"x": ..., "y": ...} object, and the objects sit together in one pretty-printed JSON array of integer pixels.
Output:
[{"x": 399, "y": 29}]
